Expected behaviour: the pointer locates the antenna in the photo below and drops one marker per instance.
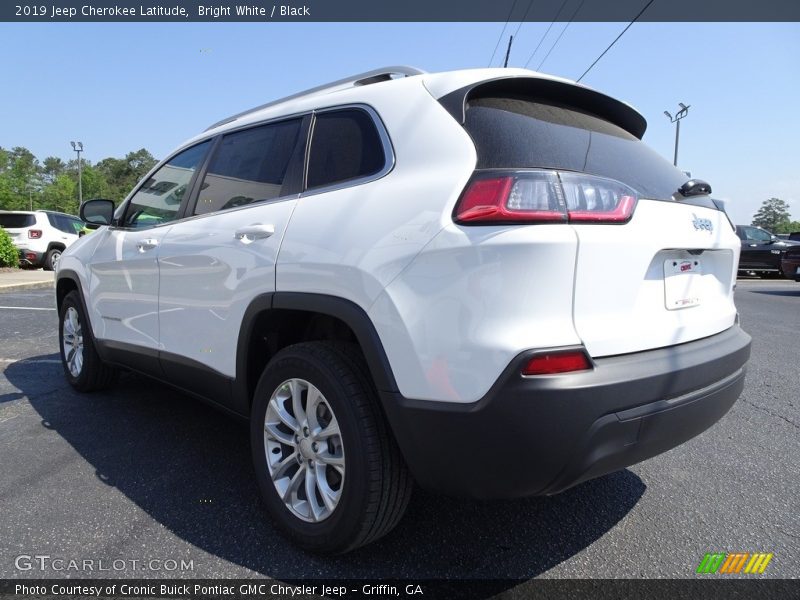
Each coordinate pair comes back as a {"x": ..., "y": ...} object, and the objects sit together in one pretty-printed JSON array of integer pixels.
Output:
[{"x": 508, "y": 51}]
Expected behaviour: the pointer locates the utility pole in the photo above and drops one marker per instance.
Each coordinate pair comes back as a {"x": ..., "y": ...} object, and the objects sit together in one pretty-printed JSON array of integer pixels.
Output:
[
  {"x": 78, "y": 147},
  {"x": 508, "y": 51},
  {"x": 677, "y": 120}
]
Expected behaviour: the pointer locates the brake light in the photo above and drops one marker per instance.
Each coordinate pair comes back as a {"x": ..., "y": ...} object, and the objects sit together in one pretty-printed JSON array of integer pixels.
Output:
[
  {"x": 557, "y": 362},
  {"x": 34, "y": 234},
  {"x": 539, "y": 196},
  {"x": 504, "y": 199}
]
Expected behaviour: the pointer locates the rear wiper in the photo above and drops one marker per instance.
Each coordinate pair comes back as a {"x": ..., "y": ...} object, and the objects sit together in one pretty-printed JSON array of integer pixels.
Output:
[{"x": 694, "y": 187}]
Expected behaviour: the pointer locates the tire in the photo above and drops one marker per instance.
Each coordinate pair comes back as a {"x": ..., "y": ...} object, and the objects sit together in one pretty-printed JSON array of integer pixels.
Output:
[
  {"x": 51, "y": 259},
  {"x": 82, "y": 365},
  {"x": 369, "y": 494}
]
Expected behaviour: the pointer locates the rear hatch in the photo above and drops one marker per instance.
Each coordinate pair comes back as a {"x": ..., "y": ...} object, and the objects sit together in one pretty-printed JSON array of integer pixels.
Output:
[{"x": 653, "y": 268}]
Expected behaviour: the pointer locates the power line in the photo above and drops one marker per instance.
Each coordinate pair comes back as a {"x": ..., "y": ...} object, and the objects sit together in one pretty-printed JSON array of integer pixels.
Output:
[
  {"x": 500, "y": 37},
  {"x": 646, "y": 6},
  {"x": 525, "y": 16},
  {"x": 561, "y": 34},
  {"x": 530, "y": 58}
]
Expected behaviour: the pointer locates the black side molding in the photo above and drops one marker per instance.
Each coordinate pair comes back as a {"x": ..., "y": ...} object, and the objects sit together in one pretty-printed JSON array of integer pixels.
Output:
[
  {"x": 357, "y": 319},
  {"x": 346, "y": 311}
]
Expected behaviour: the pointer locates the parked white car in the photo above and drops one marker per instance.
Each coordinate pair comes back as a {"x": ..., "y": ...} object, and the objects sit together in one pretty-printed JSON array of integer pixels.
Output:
[
  {"x": 479, "y": 280},
  {"x": 41, "y": 236}
]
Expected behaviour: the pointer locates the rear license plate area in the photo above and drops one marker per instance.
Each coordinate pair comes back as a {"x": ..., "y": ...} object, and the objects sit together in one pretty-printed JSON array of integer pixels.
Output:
[{"x": 682, "y": 283}]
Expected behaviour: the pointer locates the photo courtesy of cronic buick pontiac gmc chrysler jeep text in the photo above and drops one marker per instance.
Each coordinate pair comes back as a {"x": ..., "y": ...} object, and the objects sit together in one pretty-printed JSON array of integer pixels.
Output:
[{"x": 480, "y": 281}]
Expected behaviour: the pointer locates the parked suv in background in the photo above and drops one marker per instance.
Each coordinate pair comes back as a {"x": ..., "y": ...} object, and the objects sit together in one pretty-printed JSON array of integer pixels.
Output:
[
  {"x": 41, "y": 236},
  {"x": 479, "y": 280},
  {"x": 762, "y": 252}
]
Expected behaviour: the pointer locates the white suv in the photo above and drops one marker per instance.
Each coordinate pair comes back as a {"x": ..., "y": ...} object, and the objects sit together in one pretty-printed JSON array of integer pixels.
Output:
[
  {"x": 41, "y": 236},
  {"x": 481, "y": 281}
]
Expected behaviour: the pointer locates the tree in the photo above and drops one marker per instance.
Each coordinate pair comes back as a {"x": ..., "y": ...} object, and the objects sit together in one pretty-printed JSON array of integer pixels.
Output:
[
  {"x": 773, "y": 215},
  {"x": 52, "y": 167},
  {"x": 123, "y": 174},
  {"x": 53, "y": 184},
  {"x": 19, "y": 178},
  {"x": 789, "y": 227}
]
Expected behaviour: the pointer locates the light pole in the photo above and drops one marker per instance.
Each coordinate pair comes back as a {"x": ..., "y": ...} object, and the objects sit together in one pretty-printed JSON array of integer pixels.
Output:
[
  {"x": 677, "y": 120},
  {"x": 78, "y": 147}
]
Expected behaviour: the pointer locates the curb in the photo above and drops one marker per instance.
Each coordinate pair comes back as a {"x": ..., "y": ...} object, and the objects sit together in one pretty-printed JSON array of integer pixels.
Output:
[{"x": 32, "y": 285}]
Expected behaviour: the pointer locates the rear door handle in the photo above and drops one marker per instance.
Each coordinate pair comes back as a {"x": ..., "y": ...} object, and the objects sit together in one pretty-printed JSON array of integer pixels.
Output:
[
  {"x": 145, "y": 245},
  {"x": 256, "y": 231}
]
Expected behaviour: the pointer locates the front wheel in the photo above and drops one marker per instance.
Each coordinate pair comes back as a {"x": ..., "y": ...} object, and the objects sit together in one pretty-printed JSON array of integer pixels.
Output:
[
  {"x": 83, "y": 368},
  {"x": 328, "y": 469}
]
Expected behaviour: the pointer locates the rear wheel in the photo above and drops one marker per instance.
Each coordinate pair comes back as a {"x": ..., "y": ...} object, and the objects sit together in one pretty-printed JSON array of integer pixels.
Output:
[
  {"x": 82, "y": 365},
  {"x": 328, "y": 469},
  {"x": 51, "y": 259}
]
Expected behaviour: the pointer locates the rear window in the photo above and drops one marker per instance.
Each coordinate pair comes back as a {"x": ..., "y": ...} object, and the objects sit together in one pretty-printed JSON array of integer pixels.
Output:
[
  {"x": 16, "y": 221},
  {"x": 517, "y": 133}
]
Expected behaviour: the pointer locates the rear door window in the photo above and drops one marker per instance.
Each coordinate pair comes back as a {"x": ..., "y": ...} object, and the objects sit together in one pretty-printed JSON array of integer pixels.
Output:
[
  {"x": 345, "y": 147},
  {"x": 252, "y": 166},
  {"x": 522, "y": 133}
]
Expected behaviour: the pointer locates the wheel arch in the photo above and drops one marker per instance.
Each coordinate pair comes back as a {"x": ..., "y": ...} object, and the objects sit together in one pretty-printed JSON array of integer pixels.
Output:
[
  {"x": 67, "y": 282},
  {"x": 304, "y": 317}
]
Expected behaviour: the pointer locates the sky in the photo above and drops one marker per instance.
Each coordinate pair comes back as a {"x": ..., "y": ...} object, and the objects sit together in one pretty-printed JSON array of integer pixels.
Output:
[{"x": 118, "y": 87}]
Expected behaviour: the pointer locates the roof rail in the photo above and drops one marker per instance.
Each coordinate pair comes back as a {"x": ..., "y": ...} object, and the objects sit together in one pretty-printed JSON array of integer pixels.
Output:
[{"x": 374, "y": 76}]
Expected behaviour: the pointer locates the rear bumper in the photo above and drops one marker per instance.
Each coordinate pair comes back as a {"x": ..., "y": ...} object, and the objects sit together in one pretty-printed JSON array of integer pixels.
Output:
[
  {"x": 30, "y": 258},
  {"x": 542, "y": 435}
]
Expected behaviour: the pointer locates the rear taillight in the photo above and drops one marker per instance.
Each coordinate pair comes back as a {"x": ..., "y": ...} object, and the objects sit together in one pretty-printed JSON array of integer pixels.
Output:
[
  {"x": 539, "y": 196},
  {"x": 551, "y": 363},
  {"x": 34, "y": 234}
]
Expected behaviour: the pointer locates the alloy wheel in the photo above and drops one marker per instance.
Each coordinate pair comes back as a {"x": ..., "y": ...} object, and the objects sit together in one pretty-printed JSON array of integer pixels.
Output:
[{"x": 304, "y": 449}]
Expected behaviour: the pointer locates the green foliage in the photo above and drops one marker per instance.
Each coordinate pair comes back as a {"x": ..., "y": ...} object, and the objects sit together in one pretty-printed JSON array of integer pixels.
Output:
[
  {"x": 8, "y": 252},
  {"x": 788, "y": 227},
  {"x": 122, "y": 174},
  {"x": 26, "y": 183},
  {"x": 773, "y": 215}
]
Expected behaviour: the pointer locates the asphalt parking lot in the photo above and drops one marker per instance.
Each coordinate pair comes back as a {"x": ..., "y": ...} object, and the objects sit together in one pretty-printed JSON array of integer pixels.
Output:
[{"x": 141, "y": 472}]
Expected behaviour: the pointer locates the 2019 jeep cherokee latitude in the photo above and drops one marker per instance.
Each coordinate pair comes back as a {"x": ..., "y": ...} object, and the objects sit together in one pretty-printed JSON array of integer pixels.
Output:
[{"x": 479, "y": 280}]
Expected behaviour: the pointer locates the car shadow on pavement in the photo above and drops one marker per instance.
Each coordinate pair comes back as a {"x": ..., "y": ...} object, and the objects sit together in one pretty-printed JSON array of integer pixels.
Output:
[
  {"x": 795, "y": 292},
  {"x": 189, "y": 468}
]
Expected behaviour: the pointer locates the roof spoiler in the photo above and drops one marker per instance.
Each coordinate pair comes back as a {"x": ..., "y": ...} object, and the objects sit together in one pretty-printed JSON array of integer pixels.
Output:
[{"x": 577, "y": 96}]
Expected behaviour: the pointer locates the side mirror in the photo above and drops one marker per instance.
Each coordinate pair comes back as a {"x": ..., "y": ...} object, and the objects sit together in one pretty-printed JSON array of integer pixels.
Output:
[{"x": 97, "y": 212}]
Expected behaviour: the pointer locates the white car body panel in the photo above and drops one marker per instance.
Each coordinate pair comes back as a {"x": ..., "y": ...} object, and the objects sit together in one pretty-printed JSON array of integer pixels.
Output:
[
  {"x": 619, "y": 304},
  {"x": 472, "y": 301},
  {"x": 123, "y": 286},
  {"x": 209, "y": 277},
  {"x": 351, "y": 242}
]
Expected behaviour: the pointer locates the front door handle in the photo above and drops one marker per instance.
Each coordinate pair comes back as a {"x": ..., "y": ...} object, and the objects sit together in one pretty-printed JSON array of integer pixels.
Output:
[
  {"x": 251, "y": 233},
  {"x": 145, "y": 245}
]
